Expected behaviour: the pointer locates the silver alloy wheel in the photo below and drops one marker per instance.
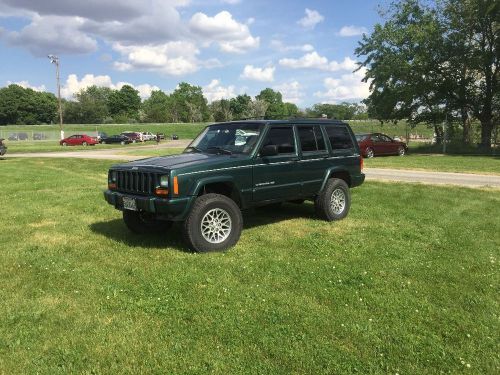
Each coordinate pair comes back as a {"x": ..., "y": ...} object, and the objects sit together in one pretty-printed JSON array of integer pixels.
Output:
[
  {"x": 401, "y": 151},
  {"x": 216, "y": 225},
  {"x": 370, "y": 153},
  {"x": 337, "y": 201}
]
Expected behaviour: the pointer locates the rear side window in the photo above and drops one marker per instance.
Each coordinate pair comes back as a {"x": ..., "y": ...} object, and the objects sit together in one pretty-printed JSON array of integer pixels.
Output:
[
  {"x": 340, "y": 138},
  {"x": 311, "y": 138},
  {"x": 283, "y": 138}
]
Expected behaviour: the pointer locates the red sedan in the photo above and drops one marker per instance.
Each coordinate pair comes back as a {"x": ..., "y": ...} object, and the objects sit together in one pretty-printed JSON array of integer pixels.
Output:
[
  {"x": 78, "y": 140},
  {"x": 375, "y": 144}
]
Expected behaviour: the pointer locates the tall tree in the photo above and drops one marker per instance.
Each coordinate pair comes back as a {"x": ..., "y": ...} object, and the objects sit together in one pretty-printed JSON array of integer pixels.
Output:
[
  {"x": 240, "y": 107},
  {"x": 190, "y": 103},
  {"x": 221, "y": 110},
  {"x": 156, "y": 107},
  {"x": 125, "y": 102},
  {"x": 274, "y": 99}
]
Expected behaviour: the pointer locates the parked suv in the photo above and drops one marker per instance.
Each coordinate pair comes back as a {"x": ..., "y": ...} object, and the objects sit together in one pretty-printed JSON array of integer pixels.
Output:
[{"x": 234, "y": 166}]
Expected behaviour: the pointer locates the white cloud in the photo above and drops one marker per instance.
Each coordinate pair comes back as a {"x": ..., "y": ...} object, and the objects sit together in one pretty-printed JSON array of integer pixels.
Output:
[
  {"x": 352, "y": 30},
  {"x": 311, "y": 19},
  {"x": 258, "y": 74},
  {"x": 282, "y": 47},
  {"x": 223, "y": 29},
  {"x": 313, "y": 60},
  {"x": 292, "y": 92},
  {"x": 347, "y": 87},
  {"x": 74, "y": 85},
  {"x": 174, "y": 58},
  {"x": 215, "y": 91},
  {"x": 27, "y": 85},
  {"x": 53, "y": 34}
]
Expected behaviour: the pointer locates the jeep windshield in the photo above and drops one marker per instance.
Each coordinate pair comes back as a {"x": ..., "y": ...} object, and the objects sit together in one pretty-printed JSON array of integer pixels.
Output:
[{"x": 232, "y": 138}]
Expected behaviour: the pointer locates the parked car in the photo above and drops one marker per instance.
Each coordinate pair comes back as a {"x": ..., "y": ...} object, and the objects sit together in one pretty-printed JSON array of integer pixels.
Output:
[
  {"x": 148, "y": 136},
  {"x": 101, "y": 135},
  {"x": 3, "y": 148},
  {"x": 161, "y": 136},
  {"x": 375, "y": 144},
  {"x": 134, "y": 136},
  {"x": 118, "y": 138},
  {"x": 174, "y": 137},
  {"x": 233, "y": 166},
  {"x": 39, "y": 136},
  {"x": 79, "y": 140},
  {"x": 18, "y": 137}
]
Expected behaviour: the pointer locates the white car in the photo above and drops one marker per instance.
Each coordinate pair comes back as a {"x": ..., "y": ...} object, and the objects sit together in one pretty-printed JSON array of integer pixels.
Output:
[{"x": 147, "y": 136}]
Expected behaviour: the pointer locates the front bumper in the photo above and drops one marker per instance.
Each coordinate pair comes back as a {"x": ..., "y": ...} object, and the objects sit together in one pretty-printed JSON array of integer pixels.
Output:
[{"x": 170, "y": 209}]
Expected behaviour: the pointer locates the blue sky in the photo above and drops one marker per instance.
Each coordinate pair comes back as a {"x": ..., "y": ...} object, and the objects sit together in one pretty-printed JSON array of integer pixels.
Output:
[{"x": 305, "y": 49}]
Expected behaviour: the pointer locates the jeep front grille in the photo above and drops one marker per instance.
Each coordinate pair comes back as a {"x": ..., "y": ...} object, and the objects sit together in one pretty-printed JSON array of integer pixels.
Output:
[{"x": 137, "y": 182}]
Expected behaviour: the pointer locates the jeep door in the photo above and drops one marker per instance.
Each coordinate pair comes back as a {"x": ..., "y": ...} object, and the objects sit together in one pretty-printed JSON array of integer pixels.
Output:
[
  {"x": 313, "y": 158},
  {"x": 275, "y": 177}
]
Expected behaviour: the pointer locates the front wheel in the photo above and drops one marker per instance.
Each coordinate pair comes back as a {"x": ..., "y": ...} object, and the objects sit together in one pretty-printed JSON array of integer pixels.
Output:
[
  {"x": 213, "y": 224},
  {"x": 334, "y": 201},
  {"x": 144, "y": 222},
  {"x": 84, "y": 143},
  {"x": 401, "y": 151}
]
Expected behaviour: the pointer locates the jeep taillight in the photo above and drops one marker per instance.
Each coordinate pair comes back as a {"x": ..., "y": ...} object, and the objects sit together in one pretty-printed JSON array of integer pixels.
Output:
[{"x": 361, "y": 162}]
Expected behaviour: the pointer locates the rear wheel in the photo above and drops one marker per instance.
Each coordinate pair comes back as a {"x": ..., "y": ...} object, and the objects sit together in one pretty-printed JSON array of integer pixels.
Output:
[
  {"x": 103, "y": 142},
  {"x": 334, "y": 201},
  {"x": 370, "y": 153},
  {"x": 64, "y": 144},
  {"x": 122, "y": 143},
  {"x": 144, "y": 222},
  {"x": 213, "y": 224},
  {"x": 84, "y": 143}
]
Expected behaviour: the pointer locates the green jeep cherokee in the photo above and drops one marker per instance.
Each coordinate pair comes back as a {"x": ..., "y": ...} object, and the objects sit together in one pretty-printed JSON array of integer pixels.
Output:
[{"x": 238, "y": 165}]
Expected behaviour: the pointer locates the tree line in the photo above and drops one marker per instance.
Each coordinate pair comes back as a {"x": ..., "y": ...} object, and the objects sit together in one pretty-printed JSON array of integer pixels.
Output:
[
  {"x": 96, "y": 105},
  {"x": 436, "y": 62}
]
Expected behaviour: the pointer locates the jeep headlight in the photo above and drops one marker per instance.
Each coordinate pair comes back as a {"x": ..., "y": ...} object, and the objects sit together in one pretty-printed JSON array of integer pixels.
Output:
[
  {"x": 112, "y": 176},
  {"x": 164, "y": 181}
]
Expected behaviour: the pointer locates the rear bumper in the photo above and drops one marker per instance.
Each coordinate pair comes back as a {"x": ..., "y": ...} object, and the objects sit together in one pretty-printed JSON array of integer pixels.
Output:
[
  {"x": 357, "y": 180},
  {"x": 170, "y": 209}
]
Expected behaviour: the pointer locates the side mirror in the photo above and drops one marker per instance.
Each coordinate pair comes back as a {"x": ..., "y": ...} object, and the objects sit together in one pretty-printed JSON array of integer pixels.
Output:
[{"x": 269, "y": 150}]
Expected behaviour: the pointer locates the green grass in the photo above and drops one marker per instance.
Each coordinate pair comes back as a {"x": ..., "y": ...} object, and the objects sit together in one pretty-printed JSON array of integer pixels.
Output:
[
  {"x": 439, "y": 163},
  {"x": 408, "y": 283}
]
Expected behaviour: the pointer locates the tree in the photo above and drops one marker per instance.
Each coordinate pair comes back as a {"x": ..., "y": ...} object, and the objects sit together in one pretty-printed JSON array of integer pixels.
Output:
[
  {"x": 428, "y": 64},
  {"x": 125, "y": 102},
  {"x": 343, "y": 111},
  {"x": 290, "y": 110},
  {"x": 274, "y": 99},
  {"x": 221, "y": 110},
  {"x": 257, "y": 108},
  {"x": 240, "y": 107},
  {"x": 26, "y": 106},
  {"x": 189, "y": 103},
  {"x": 156, "y": 107}
]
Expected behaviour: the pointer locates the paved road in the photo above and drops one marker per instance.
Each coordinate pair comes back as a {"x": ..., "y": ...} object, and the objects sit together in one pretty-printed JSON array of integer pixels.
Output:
[{"x": 435, "y": 178}]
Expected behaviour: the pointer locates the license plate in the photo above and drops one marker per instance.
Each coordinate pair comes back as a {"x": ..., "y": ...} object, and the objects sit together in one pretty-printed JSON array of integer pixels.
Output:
[{"x": 129, "y": 204}]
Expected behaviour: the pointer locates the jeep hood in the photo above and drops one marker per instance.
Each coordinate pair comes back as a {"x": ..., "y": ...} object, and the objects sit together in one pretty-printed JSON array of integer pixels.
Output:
[{"x": 176, "y": 161}]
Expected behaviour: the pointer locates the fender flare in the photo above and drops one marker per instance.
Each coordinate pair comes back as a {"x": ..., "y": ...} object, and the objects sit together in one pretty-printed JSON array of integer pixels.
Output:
[{"x": 330, "y": 171}]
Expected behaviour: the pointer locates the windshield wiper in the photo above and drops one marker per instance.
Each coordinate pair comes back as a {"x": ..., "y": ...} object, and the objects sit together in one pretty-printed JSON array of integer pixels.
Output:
[{"x": 221, "y": 150}]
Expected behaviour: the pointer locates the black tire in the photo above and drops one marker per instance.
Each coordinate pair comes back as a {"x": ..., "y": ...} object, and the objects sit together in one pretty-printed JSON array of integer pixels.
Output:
[
  {"x": 64, "y": 144},
  {"x": 144, "y": 222},
  {"x": 325, "y": 209},
  {"x": 202, "y": 208},
  {"x": 103, "y": 142},
  {"x": 401, "y": 151},
  {"x": 84, "y": 143},
  {"x": 123, "y": 143}
]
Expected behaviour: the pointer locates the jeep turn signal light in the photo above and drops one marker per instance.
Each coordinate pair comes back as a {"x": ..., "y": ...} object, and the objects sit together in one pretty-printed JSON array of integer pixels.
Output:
[
  {"x": 361, "y": 163},
  {"x": 161, "y": 191},
  {"x": 111, "y": 185},
  {"x": 176, "y": 186}
]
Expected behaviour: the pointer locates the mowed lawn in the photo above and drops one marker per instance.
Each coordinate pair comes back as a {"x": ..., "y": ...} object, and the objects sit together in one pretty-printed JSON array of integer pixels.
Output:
[
  {"x": 439, "y": 163},
  {"x": 408, "y": 283}
]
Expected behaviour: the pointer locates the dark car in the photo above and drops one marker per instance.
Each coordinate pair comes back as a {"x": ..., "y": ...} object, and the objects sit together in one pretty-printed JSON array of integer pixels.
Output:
[
  {"x": 18, "y": 137},
  {"x": 101, "y": 135},
  {"x": 234, "y": 166},
  {"x": 118, "y": 138},
  {"x": 39, "y": 136},
  {"x": 3, "y": 148},
  {"x": 79, "y": 140},
  {"x": 133, "y": 136},
  {"x": 376, "y": 144}
]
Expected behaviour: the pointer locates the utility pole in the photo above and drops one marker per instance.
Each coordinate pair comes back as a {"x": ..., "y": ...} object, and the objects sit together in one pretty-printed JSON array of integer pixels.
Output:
[{"x": 55, "y": 60}]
